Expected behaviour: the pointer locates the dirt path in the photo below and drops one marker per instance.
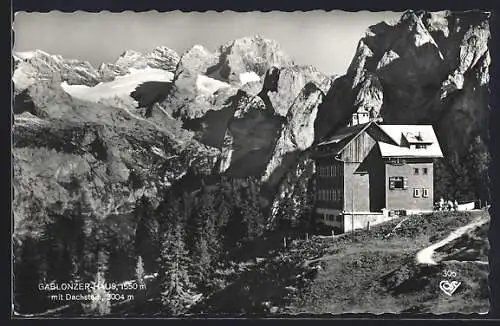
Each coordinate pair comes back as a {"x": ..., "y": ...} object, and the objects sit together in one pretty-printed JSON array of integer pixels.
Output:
[{"x": 424, "y": 256}]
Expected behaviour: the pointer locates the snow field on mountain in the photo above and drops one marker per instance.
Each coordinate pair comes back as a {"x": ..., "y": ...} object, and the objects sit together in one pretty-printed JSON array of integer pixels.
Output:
[
  {"x": 120, "y": 86},
  {"x": 207, "y": 86}
]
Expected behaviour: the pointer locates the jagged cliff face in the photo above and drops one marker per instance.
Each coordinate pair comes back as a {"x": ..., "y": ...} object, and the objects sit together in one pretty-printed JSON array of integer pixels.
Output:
[
  {"x": 160, "y": 57},
  {"x": 232, "y": 110},
  {"x": 104, "y": 162},
  {"x": 194, "y": 93},
  {"x": 69, "y": 152},
  {"x": 288, "y": 83},
  {"x": 104, "y": 167},
  {"x": 425, "y": 68},
  {"x": 267, "y": 133},
  {"x": 239, "y": 100},
  {"x": 31, "y": 67},
  {"x": 248, "y": 59},
  {"x": 297, "y": 134}
]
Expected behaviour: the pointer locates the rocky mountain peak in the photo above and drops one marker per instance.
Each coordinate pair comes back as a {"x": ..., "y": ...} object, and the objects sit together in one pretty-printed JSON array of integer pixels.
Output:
[
  {"x": 33, "y": 66},
  {"x": 161, "y": 57},
  {"x": 253, "y": 54}
]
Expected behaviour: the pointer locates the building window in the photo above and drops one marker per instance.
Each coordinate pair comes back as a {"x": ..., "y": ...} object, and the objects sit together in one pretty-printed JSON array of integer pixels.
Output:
[
  {"x": 416, "y": 171},
  {"x": 421, "y": 146},
  {"x": 416, "y": 192},
  {"x": 398, "y": 183},
  {"x": 425, "y": 170},
  {"x": 425, "y": 192}
]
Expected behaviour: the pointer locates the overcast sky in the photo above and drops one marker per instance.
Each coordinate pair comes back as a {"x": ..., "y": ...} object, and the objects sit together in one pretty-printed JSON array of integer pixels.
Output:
[{"x": 326, "y": 40}]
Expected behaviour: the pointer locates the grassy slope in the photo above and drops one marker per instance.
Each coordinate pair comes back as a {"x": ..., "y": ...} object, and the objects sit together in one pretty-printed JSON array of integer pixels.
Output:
[
  {"x": 364, "y": 272},
  {"x": 372, "y": 274}
]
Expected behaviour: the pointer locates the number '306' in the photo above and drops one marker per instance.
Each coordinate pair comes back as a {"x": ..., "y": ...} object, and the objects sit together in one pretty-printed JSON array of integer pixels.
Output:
[{"x": 449, "y": 273}]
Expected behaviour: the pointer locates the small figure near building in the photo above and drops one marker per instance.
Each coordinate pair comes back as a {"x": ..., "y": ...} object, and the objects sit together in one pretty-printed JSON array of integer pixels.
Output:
[{"x": 441, "y": 204}]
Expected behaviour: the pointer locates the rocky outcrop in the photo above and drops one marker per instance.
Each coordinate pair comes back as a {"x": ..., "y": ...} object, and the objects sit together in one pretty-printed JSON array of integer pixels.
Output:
[
  {"x": 34, "y": 70},
  {"x": 283, "y": 85},
  {"x": 248, "y": 59},
  {"x": 193, "y": 92},
  {"x": 69, "y": 152},
  {"x": 426, "y": 68},
  {"x": 249, "y": 139},
  {"x": 160, "y": 57},
  {"x": 294, "y": 199},
  {"x": 423, "y": 69},
  {"x": 241, "y": 116},
  {"x": 104, "y": 167},
  {"x": 296, "y": 136},
  {"x": 31, "y": 67}
]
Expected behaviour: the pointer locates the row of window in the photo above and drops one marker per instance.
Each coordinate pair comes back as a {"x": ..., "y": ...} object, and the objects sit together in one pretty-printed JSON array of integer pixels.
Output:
[
  {"x": 416, "y": 171},
  {"x": 329, "y": 195},
  {"x": 329, "y": 171},
  {"x": 417, "y": 193}
]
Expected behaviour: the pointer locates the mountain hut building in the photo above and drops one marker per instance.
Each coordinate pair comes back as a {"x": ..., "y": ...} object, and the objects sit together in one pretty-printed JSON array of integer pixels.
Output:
[{"x": 368, "y": 173}]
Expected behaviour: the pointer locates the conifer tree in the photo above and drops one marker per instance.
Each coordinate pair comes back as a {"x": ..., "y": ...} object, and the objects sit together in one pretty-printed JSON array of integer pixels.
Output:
[
  {"x": 99, "y": 303},
  {"x": 251, "y": 211},
  {"x": 174, "y": 260},
  {"x": 139, "y": 271},
  {"x": 147, "y": 237},
  {"x": 27, "y": 297},
  {"x": 477, "y": 162},
  {"x": 141, "y": 285},
  {"x": 207, "y": 243}
]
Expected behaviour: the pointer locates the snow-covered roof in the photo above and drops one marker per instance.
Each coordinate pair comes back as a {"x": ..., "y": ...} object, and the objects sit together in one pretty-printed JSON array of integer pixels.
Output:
[
  {"x": 408, "y": 140},
  {"x": 413, "y": 134},
  {"x": 407, "y": 137}
]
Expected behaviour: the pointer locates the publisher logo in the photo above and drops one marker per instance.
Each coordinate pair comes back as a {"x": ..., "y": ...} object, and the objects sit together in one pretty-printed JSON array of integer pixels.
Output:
[{"x": 449, "y": 287}]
